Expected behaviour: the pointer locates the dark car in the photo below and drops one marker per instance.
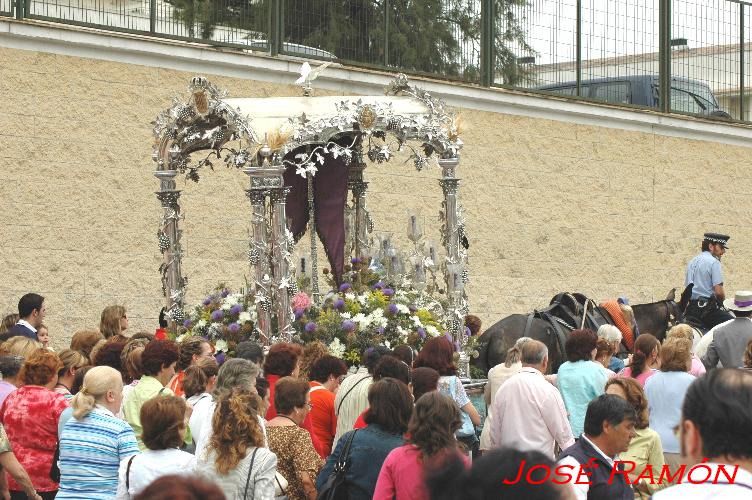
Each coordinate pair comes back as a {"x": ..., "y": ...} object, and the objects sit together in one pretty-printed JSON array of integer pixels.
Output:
[{"x": 687, "y": 96}]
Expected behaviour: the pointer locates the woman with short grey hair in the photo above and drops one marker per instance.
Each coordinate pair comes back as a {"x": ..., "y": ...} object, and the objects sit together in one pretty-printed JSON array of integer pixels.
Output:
[
  {"x": 235, "y": 375},
  {"x": 612, "y": 335}
]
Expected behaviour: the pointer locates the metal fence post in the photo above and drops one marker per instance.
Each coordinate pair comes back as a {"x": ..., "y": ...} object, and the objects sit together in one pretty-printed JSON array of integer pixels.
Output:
[
  {"x": 275, "y": 26},
  {"x": 152, "y": 16},
  {"x": 664, "y": 57},
  {"x": 19, "y": 9},
  {"x": 387, "y": 20},
  {"x": 487, "y": 24},
  {"x": 578, "y": 56},
  {"x": 742, "y": 108}
]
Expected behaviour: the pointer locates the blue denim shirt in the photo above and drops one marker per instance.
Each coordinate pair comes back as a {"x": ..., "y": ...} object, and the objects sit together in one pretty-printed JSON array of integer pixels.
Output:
[{"x": 368, "y": 451}]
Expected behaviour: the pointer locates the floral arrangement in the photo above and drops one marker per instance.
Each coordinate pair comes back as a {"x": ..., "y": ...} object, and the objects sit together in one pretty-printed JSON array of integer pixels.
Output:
[
  {"x": 224, "y": 318},
  {"x": 365, "y": 311}
]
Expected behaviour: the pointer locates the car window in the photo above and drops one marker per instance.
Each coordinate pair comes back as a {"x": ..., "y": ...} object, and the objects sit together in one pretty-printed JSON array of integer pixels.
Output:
[
  {"x": 684, "y": 102},
  {"x": 570, "y": 91},
  {"x": 615, "y": 92}
]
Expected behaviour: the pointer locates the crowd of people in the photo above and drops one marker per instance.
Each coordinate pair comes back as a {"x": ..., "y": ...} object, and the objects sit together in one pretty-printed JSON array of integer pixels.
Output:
[{"x": 122, "y": 415}]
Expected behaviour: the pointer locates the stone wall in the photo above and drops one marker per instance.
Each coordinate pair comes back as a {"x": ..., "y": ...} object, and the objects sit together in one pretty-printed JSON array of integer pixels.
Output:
[{"x": 551, "y": 206}]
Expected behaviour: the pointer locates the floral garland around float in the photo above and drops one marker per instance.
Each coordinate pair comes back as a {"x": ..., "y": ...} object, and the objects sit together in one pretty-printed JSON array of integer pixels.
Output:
[{"x": 223, "y": 318}]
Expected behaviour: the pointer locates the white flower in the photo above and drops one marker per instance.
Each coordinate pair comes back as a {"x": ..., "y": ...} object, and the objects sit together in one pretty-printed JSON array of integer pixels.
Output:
[
  {"x": 220, "y": 345},
  {"x": 359, "y": 318},
  {"x": 346, "y": 315},
  {"x": 244, "y": 317},
  {"x": 362, "y": 298},
  {"x": 377, "y": 313},
  {"x": 226, "y": 307},
  {"x": 432, "y": 331},
  {"x": 336, "y": 348},
  {"x": 201, "y": 323},
  {"x": 387, "y": 344},
  {"x": 180, "y": 338},
  {"x": 402, "y": 308},
  {"x": 416, "y": 321},
  {"x": 232, "y": 299},
  {"x": 350, "y": 296}
]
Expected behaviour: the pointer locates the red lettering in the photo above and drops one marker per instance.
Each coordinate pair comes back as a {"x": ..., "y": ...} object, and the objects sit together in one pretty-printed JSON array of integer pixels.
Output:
[
  {"x": 532, "y": 480},
  {"x": 722, "y": 468},
  {"x": 694, "y": 480},
  {"x": 583, "y": 472},
  {"x": 559, "y": 472},
  {"x": 646, "y": 474},
  {"x": 667, "y": 478},
  {"x": 519, "y": 475},
  {"x": 624, "y": 472}
]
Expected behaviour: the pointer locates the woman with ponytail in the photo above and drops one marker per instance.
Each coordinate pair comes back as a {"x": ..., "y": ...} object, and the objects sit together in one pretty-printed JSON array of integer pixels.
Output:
[
  {"x": 645, "y": 360},
  {"x": 200, "y": 380},
  {"x": 95, "y": 441},
  {"x": 431, "y": 429},
  {"x": 165, "y": 424},
  {"x": 235, "y": 457}
]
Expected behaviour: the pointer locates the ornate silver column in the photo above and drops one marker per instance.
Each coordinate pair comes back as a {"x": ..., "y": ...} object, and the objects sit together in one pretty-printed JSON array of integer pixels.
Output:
[
  {"x": 282, "y": 241},
  {"x": 358, "y": 186},
  {"x": 258, "y": 254},
  {"x": 173, "y": 283},
  {"x": 454, "y": 258}
]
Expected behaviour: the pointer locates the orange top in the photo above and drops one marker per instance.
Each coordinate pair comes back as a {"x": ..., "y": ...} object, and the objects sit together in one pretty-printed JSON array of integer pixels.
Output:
[
  {"x": 176, "y": 384},
  {"x": 322, "y": 415},
  {"x": 613, "y": 309}
]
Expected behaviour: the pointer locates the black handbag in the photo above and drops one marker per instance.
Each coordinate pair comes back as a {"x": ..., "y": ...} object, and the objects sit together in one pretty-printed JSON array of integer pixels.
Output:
[{"x": 335, "y": 487}]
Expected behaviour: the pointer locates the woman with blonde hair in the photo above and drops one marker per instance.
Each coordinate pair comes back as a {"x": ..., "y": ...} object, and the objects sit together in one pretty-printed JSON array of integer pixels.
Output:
[
  {"x": 20, "y": 346},
  {"x": 687, "y": 332},
  {"x": 95, "y": 441},
  {"x": 113, "y": 322},
  {"x": 72, "y": 361},
  {"x": 236, "y": 459}
]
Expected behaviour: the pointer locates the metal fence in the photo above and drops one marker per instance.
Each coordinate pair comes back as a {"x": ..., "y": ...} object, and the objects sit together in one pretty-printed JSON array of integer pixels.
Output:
[{"x": 684, "y": 56}]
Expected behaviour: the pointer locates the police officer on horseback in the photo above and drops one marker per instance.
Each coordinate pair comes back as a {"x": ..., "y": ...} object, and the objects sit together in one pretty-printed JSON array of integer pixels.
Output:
[{"x": 704, "y": 280}]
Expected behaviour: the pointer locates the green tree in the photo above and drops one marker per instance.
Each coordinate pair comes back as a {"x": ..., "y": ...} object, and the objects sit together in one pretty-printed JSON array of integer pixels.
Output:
[{"x": 437, "y": 37}]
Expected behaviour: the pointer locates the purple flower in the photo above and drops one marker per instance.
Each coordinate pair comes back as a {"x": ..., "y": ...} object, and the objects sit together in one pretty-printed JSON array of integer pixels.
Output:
[
  {"x": 339, "y": 304},
  {"x": 187, "y": 323},
  {"x": 310, "y": 327},
  {"x": 225, "y": 293},
  {"x": 348, "y": 325},
  {"x": 422, "y": 333},
  {"x": 298, "y": 314},
  {"x": 207, "y": 301},
  {"x": 456, "y": 346},
  {"x": 234, "y": 327},
  {"x": 392, "y": 308},
  {"x": 220, "y": 357},
  {"x": 217, "y": 315},
  {"x": 356, "y": 260},
  {"x": 388, "y": 292},
  {"x": 344, "y": 287},
  {"x": 235, "y": 310},
  {"x": 467, "y": 331},
  {"x": 448, "y": 336},
  {"x": 379, "y": 285},
  {"x": 380, "y": 330}
]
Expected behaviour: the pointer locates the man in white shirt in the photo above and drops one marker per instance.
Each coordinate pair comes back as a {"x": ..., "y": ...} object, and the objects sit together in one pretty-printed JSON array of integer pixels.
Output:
[
  {"x": 528, "y": 413},
  {"x": 716, "y": 428}
]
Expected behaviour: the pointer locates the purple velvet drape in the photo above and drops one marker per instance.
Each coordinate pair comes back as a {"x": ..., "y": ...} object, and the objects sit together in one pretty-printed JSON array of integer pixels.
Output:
[{"x": 330, "y": 196}]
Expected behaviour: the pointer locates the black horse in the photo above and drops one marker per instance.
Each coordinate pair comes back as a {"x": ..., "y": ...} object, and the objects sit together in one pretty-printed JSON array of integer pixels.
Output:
[{"x": 655, "y": 318}]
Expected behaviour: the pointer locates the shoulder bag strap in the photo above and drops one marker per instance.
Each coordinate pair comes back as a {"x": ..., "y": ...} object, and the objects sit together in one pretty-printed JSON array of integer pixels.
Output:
[
  {"x": 342, "y": 462},
  {"x": 349, "y": 391},
  {"x": 128, "y": 474},
  {"x": 250, "y": 470}
]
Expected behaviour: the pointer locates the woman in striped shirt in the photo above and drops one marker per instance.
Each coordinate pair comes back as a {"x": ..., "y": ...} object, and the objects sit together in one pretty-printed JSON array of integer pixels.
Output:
[{"x": 95, "y": 441}]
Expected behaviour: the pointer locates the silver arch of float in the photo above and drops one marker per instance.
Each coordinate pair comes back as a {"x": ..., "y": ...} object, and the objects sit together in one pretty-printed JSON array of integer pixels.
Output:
[{"x": 206, "y": 121}]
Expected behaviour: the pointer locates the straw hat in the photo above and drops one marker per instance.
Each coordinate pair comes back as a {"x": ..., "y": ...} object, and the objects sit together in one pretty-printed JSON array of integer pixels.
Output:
[{"x": 742, "y": 301}]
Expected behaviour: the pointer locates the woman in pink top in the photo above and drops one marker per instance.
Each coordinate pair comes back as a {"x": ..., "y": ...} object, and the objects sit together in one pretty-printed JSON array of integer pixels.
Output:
[
  {"x": 435, "y": 419},
  {"x": 687, "y": 332},
  {"x": 645, "y": 360}
]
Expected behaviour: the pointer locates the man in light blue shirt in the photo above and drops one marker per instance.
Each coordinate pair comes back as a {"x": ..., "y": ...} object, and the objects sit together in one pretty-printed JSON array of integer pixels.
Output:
[{"x": 706, "y": 277}]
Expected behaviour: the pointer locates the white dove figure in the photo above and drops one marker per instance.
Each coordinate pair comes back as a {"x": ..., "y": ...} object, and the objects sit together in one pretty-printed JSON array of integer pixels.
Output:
[{"x": 307, "y": 75}]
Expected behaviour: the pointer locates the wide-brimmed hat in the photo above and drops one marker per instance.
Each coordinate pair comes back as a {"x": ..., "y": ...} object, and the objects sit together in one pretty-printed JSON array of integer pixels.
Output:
[
  {"x": 718, "y": 238},
  {"x": 742, "y": 301}
]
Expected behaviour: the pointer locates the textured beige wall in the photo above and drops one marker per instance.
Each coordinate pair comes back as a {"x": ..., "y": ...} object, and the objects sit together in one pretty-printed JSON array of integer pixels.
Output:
[{"x": 551, "y": 206}]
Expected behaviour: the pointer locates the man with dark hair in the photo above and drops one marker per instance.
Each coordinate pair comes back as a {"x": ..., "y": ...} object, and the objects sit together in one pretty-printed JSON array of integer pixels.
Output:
[
  {"x": 31, "y": 311},
  {"x": 326, "y": 374},
  {"x": 251, "y": 351},
  {"x": 716, "y": 427},
  {"x": 609, "y": 427},
  {"x": 352, "y": 396},
  {"x": 528, "y": 412},
  {"x": 705, "y": 277},
  {"x": 731, "y": 339}
]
